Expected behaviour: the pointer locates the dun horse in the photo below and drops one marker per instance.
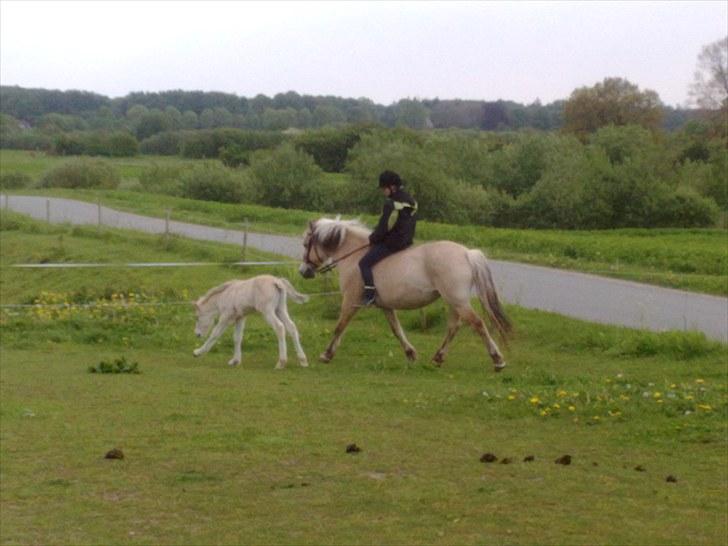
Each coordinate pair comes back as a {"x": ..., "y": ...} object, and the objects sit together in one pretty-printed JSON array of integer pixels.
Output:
[
  {"x": 409, "y": 279},
  {"x": 235, "y": 300}
]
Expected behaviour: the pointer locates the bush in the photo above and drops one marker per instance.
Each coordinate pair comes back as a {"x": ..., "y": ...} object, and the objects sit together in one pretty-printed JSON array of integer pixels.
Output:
[
  {"x": 167, "y": 143},
  {"x": 213, "y": 182},
  {"x": 103, "y": 143},
  {"x": 11, "y": 181},
  {"x": 162, "y": 179},
  {"x": 82, "y": 173},
  {"x": 289, "y": 178},
  {"x": 329, "y": 147},
  {"x": 208, "y": 143},
  {"x": 26, "y": 139}
]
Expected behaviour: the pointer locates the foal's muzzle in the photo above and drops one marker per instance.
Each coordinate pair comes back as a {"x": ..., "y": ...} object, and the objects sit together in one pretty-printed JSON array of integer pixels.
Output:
[{"x": 307, "y": 271}]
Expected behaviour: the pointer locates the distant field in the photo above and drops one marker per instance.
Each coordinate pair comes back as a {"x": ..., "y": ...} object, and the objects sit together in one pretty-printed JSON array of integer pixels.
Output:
[
  {"x": 690, "y": 259},
  {"x": 251, "y": 455}
]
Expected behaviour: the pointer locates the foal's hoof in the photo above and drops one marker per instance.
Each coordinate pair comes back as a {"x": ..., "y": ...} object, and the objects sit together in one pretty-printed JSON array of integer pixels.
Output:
[
  {"x": 303, "y": 363},
  {"x": 411, "y": 354},
  {"x": 233, "y": 362},
  {"x": 438, "y": 359},
  {"x": 195, "y": 353},
  {"x": 325, "y": 357},
  {"x": 499, "y": 366},
  {"x": 281, "y": 365}
]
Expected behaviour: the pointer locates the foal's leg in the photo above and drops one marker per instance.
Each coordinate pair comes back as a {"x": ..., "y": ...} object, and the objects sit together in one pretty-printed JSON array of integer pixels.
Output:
[
  {"x": 348, "y": 310},
  {"x": 394, "y": 323},
  {"x": 238, "y": 342},
  {"x": 285, "y": 318},
  {"x": 453, "y": 325},
  {"x": 467, "y": 313},
  {"x": 280, "y": 330},
  {"x": 217, "y": 331}
]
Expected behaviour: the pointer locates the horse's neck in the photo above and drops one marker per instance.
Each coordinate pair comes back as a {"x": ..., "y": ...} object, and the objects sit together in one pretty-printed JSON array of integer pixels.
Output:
[
  {"x": 350, "y": 252},
  {"x": 211, "y": 304}
]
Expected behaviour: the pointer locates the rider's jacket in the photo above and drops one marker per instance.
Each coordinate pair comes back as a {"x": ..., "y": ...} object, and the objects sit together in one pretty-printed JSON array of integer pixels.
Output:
[{"x": 396, "y": 226}]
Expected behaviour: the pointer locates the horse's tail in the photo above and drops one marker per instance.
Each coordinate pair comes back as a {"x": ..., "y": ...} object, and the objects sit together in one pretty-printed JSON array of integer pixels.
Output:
[
  {"x": 287, "y": 287},
  {"x": 485, "y": 288}
]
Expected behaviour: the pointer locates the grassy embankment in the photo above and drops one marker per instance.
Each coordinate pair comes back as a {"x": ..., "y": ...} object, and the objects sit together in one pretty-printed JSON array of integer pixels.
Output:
[
  {"x": 253, "y": 455},
  {"x": 690, "y": 259}
]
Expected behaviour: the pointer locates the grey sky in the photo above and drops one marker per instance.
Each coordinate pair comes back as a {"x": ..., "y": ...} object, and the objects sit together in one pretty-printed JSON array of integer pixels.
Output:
[{"x": 384, "y": 51}]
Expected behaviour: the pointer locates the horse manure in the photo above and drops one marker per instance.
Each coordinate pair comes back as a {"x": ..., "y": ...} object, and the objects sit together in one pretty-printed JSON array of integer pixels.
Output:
[
  {"x": 595, "y": 464},
  {"x": 671, "y": 479},
  {"x": 506, "y": 460},
  {"x": 488, "y": 458},
  {"x": 564, "y": 459},
  {"x": 640, "y": 468},
  {"x": 115, "y": 453},
  {"x": 529, "y": 459},
  {"x": 353, "y": 448}
]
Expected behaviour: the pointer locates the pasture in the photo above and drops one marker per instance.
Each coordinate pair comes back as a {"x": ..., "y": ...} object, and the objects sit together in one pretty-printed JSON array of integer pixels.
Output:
[
  {"x": 253, "y": 455},
  {"x": 689, "y": 259}
]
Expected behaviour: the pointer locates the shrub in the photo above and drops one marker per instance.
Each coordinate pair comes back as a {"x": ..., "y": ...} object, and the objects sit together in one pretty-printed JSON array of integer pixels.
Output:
[
  {"x": 162, "y": 179},
  {"x": 104, "y": 143},
  {"x": 287, "y": 177},
  {"x": 208, "y": 143},
  {"x": 330, "y": 146},
  {"x": 166, "y": 143},
  {"x": 213, "y": 182},
  {"x": 83, "y": 173},
  {"x": 11, "y": 181}
]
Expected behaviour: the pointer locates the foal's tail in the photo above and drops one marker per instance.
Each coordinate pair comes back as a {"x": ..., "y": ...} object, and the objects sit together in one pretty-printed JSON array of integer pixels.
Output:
[
  {"x": 485, "y": 289},
  {"x": 287, "y": 287}
]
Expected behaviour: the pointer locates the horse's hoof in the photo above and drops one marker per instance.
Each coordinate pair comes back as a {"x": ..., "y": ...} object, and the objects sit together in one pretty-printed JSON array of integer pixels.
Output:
[
  {"x": 325, "y": 358},
  {"x": 499, "y": 366},
  {"x": 195, "y": 353},
  {"x": 411, "y": 355},
  {"x": 234, "y": 362},
  {"x": 303, "y": 362},
  {"x": 280, "y": 365},
  {"x": 438, "y": 359}
]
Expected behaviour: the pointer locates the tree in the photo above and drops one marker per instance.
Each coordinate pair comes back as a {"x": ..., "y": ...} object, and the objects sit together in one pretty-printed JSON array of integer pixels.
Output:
[
  {"x": 710, "y": 84},
  {"x": 614, "y": 101}
]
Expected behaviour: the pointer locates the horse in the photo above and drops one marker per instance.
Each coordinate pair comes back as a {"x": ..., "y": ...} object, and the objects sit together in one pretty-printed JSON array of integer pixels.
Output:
[
  {"x": 234, "y": 300},
  {"x": 409, "y": 279}
]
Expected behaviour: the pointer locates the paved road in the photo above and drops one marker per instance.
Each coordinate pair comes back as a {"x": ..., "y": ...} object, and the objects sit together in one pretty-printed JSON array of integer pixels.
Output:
[{"x": 588, "y": 297}]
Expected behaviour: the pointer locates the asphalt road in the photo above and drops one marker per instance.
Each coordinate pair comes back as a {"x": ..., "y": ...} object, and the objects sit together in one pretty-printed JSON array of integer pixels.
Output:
[{"x": 587, "y": 297}]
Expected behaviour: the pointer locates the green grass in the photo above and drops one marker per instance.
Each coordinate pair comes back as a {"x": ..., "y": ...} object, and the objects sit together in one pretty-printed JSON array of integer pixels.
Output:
[
  {"x": 250, "y": 455},
  {"x": 689, "y": 259}
]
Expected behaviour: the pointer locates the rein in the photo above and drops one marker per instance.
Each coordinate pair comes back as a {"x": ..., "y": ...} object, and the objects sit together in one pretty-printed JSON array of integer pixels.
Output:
[{"x": 328, "y": 267}]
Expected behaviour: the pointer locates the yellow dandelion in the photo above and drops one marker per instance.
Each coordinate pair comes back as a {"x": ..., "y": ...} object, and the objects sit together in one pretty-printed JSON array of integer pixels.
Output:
[
  {"x": 557, "y": 406},
  {"x": 511, "y": 397},
  {"x": 705, "y": 407},
  {"x": 544, "y": 412},
  {"x": 615, "y": 413},
  {"x": 572, "y": 408},
  {"x": 623, "y": 397},
  {"x": 673, "y": 386},
  {"x": 596, "y": 418},
  {"x": 689, "y": 397},
  {"x": 534, "y": 400},
  {"x": 657, "y": 395},
  {"x": 562, "y": 393},
  {"x": 659, "y": 401},
  {"x": 700, "y": 381}
]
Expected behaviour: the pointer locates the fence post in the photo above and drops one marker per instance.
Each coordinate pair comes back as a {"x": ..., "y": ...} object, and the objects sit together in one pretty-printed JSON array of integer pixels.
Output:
[
  {"x": 166, "y": 223},
  {"x": 48, "y": 211},
  {"x": 7, "y": 201},
  {"x": 245, "y": 239},
  {"x": 98, "y": 211}
]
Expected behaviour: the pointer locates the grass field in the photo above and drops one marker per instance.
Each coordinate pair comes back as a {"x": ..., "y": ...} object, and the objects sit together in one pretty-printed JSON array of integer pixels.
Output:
[
  {"x": 251, "y": 455},
  {"x": 690, "y": 259}
]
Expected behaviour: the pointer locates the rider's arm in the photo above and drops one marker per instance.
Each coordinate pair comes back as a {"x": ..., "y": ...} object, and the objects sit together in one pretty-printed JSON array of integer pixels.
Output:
[{"x": 383, "y": 225}]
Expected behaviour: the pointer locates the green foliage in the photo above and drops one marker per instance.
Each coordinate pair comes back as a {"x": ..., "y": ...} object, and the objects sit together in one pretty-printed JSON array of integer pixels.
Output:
[
  {"x": 330, "y": 146},
  {"x": 287, "y": 177},
  {"x": 102, "y": 143},
  {"x": 165, "y": 179},
  {"x": 12, "y": 181},
  {"x": 165, "y": 143},
  {"x": 82, "y": 173},
  {"x": 118, "y": 365},
  {"x": 213, "y": 182},
  {"x": 208, "y": 143}
]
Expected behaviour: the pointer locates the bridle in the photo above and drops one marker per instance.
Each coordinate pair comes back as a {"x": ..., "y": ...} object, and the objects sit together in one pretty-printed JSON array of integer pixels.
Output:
[{"x": 332, "y": 264}]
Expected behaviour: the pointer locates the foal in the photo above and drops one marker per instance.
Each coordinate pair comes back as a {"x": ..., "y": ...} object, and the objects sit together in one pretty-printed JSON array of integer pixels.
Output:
[{"x": 234, "y": 300}]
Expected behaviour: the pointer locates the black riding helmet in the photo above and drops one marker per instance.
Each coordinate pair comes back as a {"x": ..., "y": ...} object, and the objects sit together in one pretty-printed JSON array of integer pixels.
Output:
[{"x": 389, "y": 178}]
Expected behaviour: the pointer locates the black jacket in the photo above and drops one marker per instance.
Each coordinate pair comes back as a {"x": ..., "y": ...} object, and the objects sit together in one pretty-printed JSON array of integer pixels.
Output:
[{"x": 396, "y": 226}]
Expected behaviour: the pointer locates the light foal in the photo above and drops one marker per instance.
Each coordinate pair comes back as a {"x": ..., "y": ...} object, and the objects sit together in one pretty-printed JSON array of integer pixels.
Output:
[
  {"x": 410, "y": 279},
  {"x": 235, "y": 300}
]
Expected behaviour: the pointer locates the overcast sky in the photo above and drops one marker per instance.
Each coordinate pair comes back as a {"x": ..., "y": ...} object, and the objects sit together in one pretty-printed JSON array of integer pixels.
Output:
[{"x": 384, "y": 51}]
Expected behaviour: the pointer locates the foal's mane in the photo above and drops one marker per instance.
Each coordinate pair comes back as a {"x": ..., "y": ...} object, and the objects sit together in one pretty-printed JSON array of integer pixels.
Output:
[
  {"x": 331, "y": 232},
  {"x": 213, "y": 292}
]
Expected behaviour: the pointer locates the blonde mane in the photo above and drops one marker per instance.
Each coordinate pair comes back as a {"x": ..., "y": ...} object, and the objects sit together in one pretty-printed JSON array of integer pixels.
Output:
[
  {"x": 213, "y": 292},
  {"x": 331, "y": 232}
]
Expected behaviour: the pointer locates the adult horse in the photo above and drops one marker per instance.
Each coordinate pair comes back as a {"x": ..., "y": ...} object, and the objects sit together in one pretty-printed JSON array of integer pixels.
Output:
[{"x": 409, "y": 279}]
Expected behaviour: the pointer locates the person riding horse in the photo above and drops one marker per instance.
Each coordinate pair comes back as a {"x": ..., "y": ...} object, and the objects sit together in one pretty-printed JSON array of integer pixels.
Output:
[{"x": 394, "y": 232}]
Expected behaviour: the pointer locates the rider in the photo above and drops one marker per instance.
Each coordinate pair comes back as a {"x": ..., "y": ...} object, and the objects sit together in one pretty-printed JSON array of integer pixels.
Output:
[{"x": 394, "y": 232}]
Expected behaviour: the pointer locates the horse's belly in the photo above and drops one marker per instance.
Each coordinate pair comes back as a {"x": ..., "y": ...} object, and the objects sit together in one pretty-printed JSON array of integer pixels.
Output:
[{"x": 410, "y": 300}]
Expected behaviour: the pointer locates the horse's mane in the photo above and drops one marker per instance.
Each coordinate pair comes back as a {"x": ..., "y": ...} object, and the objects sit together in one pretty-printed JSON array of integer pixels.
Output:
[
  {"x": 213, "y": 292},
  {"x": 330, "y": 232}
]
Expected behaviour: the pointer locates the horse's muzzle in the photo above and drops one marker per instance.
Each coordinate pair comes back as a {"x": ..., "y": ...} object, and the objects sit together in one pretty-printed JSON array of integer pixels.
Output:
[{"x": 306, "y": 271}]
